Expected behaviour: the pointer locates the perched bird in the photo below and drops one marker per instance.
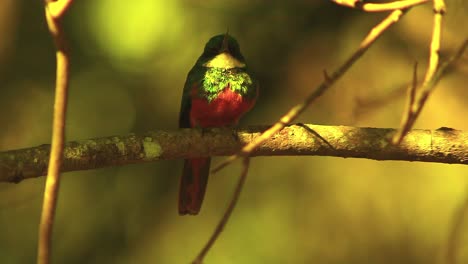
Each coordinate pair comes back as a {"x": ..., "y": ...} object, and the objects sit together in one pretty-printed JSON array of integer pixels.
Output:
[{"x": 218, "y": 91}]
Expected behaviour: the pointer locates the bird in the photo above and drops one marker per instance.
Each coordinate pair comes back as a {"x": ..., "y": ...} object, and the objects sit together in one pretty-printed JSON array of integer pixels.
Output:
[{"x": 218, "y": 91}]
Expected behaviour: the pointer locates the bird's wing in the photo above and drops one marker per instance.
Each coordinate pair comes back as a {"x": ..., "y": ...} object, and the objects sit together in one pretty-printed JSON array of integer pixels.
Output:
[{"x": 194, "y": 78}]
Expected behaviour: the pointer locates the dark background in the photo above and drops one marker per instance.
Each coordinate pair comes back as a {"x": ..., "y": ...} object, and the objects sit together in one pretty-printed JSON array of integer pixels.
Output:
[{"x": 129, "y": 63}]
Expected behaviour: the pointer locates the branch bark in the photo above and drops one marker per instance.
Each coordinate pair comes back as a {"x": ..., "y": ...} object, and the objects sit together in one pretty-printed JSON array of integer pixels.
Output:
[{"x": 444, "y": 145}]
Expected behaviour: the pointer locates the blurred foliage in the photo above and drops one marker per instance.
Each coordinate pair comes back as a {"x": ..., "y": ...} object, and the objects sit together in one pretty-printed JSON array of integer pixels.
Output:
[{"x": 129, "y": 63}]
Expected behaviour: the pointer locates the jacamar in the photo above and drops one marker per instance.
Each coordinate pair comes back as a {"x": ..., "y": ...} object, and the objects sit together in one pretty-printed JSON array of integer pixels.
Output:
[{"x": 218, "y": 91}]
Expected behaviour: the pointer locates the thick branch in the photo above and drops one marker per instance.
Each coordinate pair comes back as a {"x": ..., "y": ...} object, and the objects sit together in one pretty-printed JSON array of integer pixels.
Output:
[{"x": 444, "y": 145}]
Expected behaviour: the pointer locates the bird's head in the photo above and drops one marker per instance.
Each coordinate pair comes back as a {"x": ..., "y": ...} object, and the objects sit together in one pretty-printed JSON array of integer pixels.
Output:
[{"x": 222, "y": 51}]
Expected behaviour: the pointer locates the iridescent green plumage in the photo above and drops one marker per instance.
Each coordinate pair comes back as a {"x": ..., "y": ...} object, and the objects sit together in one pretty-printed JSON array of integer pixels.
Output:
[{"x": 216, "y": 80}]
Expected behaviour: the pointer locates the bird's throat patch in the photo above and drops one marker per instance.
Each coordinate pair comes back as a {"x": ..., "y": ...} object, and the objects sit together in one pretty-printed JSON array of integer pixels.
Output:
[{"x": 224, "y": 61}]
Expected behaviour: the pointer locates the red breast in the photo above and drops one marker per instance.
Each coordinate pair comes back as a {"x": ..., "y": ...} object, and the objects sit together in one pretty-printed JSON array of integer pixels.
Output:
[{"x": 224, "y": 110}]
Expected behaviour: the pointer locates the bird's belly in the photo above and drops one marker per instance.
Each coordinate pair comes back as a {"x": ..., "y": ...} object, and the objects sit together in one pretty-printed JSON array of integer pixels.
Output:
[{"x": 224, "y": 110}]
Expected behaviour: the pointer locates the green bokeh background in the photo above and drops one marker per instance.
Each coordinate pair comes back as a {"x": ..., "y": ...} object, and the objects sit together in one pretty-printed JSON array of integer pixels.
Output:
[{"x": 129, "y": 63}]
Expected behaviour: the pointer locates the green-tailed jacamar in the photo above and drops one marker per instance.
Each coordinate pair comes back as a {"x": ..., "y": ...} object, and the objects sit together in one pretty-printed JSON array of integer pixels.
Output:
[{"x": 218, "y": 91}]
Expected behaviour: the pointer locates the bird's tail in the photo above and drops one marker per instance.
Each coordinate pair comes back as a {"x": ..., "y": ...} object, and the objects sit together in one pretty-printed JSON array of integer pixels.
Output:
[{"x": 193, "y": 185}]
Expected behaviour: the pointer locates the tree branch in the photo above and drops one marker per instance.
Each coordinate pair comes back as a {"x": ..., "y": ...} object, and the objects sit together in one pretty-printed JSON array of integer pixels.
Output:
[{"x": 444, "y": 145}]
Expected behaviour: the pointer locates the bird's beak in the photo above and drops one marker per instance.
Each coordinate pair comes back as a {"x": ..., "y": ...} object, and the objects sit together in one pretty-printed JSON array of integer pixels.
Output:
[{"x": 225, "y": 45}]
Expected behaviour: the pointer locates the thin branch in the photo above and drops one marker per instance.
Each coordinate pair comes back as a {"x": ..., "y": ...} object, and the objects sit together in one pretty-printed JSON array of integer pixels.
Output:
[
  {"x": 411, "y": 95},
  {"x": 380, "y": 7},
  {"x": 372, "y": 36},
  {"x": 58, "y": 7},
  {"x": 426, "y": 90},
  {"x": 227, "y": 214},
  {"x": 54, "y": 11},
  {"x": 439, "y": 11},
  {"x": 413, "y": 111},
  {"x": 442, "y": 146}
]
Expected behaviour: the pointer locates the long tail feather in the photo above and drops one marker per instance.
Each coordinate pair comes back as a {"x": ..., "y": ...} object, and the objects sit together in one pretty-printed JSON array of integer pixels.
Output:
[{"x": 193, "y": 185}]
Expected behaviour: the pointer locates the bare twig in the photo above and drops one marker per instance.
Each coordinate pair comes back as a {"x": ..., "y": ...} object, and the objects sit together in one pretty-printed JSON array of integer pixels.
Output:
[
  {"x": 380, "y": 7},
  {"x": 414, "y": 110},
  {"x": 371, "y": 37},
  {"x": 57, "y": 8},
  {"x": 54, "y": 11},
  {"x": 411, "y": 95},
  {"x": 227, "y": 214},
  {"x": 425, "y": 91}
]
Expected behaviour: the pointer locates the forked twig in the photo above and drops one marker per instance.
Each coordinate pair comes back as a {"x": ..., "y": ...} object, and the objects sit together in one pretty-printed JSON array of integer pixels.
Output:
[
  {"x": 54, "y": 11},
  {"x": 426, "y": 89},
  {"x": 414, "y": 109},
  {"x": 227, "y": 213},
  {"x": 371, "y": 37},
  {"x": 380, "y": 7}
]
